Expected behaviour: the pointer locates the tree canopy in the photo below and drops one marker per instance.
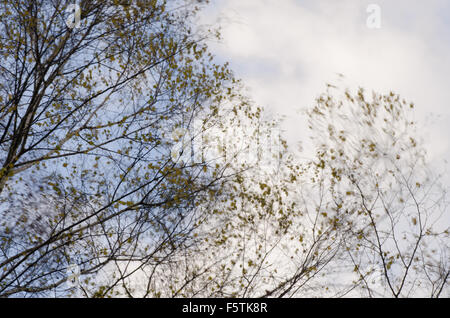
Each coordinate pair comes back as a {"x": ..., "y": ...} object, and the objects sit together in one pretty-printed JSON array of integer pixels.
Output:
[{"x": 134, "y": 165}]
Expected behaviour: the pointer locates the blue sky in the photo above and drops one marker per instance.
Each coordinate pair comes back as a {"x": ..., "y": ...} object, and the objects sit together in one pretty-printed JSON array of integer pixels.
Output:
[{"x": 287, "y": 50}]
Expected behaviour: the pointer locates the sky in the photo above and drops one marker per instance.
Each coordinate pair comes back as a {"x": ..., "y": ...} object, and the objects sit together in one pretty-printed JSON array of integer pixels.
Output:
[{"x": 287, "y": 50}]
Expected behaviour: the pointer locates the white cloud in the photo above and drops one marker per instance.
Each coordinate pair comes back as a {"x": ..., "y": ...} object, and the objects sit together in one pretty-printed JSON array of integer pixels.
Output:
[{"x": 287, "y": 50}]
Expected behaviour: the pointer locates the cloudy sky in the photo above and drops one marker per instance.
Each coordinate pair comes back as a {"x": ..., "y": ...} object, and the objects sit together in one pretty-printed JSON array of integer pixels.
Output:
[{"x": 287, "y": 50}]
